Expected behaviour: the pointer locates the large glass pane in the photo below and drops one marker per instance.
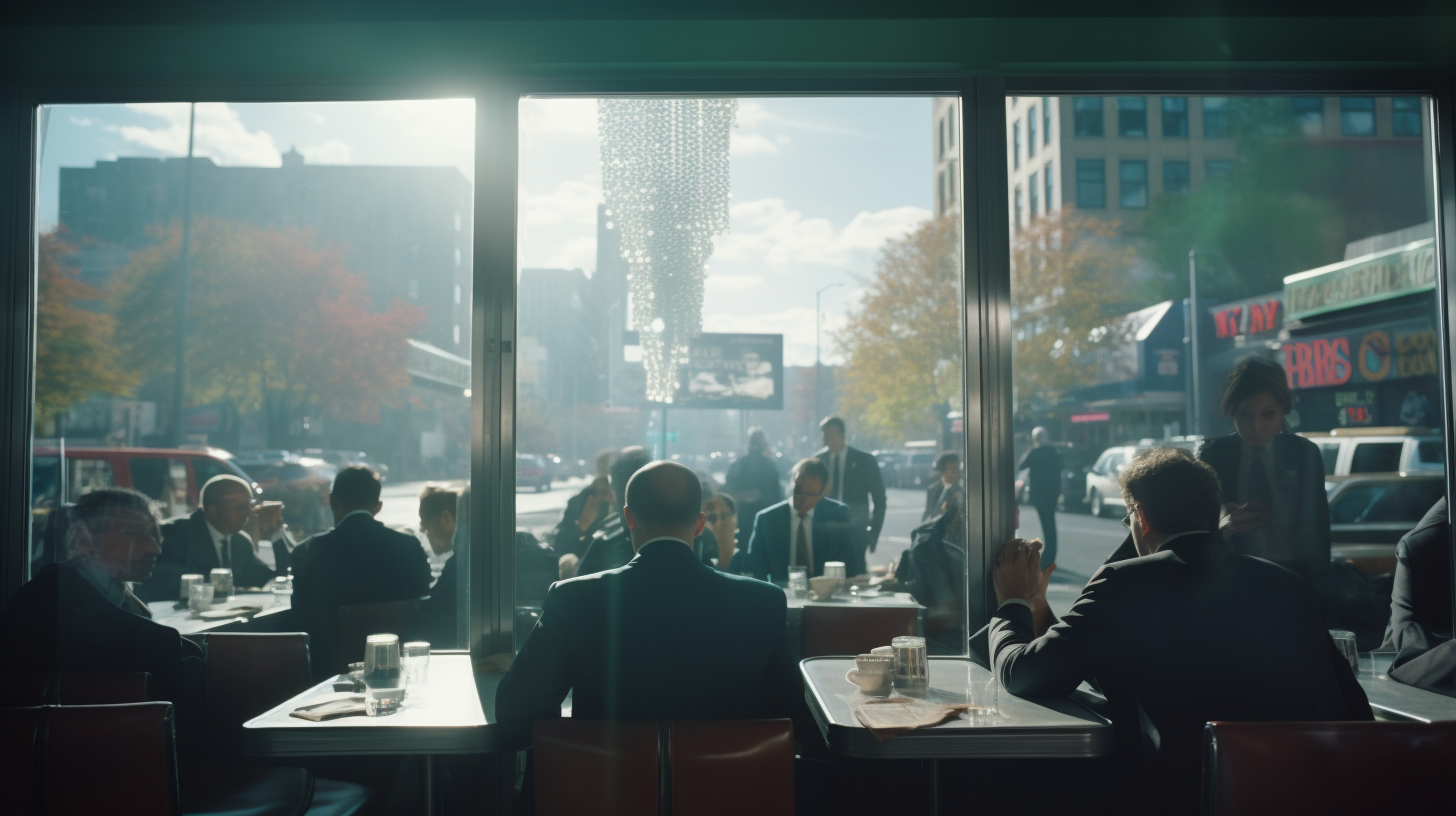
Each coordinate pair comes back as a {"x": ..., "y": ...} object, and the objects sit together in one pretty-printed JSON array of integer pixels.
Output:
[
  {"x": 271, "y": 292},
  {"x": 710, "y": 296},
  {"x": 1295, "y": 244}
]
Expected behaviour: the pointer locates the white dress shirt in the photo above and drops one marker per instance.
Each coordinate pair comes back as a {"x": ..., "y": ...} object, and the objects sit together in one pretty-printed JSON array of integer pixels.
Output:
[
  {"x": 836, "y": 474},
  {"x": 794, "y": 537}
]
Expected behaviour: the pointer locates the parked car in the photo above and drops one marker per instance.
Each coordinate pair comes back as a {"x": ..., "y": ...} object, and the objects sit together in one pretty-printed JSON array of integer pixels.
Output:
[
  {"x": 1370, "y": 512},
  {"x": 892, "y": 464},
  {"x": 303, "y": 485},
  {"x": 344, "y": 458},
  {"x": 1348, "y": 451},
  {"x": 919, "y": 468},
  {"x": 532, "y": 471},
  {"x": 1104, "y": 492}
]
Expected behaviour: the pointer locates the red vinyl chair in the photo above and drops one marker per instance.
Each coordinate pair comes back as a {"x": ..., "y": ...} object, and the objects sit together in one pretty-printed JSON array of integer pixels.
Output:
[
  {"x": 1330, "y": 768},
  {"x": 852, "y": 630},
  {"x": 247, "y": 674},
  {"x": 706, "y": 752},
  {"x": 607, "y": 768}
]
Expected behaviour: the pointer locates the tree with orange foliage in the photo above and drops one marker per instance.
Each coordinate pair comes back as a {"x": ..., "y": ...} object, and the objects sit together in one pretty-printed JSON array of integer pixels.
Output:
[
  {"x": 274, "y": 322},
  {"x": 74, "y": 354}
]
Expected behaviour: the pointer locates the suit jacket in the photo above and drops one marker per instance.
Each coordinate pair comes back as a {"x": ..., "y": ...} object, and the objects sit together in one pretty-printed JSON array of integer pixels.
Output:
[
  {"x": 1420, "y": 603},
  {"x": 187, "y": 548},
  {"x": 1298, "y": 463},
  {"x": 754, "y": 483},
  {"x": 439, "y": 616},
  {"x": 663, "y": 637},
  {"x": 360, "y": 561},
  {"x": 568, "y": 537},
  {"x": 768, "y": 545},
  {"x": 60, "y": 622},
  {"x": 862, "y": 486},
  {"x": 933, "y": 496},
  {"x": 612, "y": 548},
  {"x": 1190, "y": 634}
]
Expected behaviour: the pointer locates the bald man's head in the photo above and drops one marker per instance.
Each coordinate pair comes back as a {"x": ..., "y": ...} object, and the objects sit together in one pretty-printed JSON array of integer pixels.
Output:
[{"x": 664, "y": 499}]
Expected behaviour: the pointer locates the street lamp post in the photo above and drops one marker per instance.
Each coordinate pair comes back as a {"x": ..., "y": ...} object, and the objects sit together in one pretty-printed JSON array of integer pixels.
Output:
[{"x": 818, "y": 367}]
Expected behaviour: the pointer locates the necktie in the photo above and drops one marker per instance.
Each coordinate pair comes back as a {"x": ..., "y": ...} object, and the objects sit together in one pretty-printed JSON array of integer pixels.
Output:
[
  {"x": 801, "y": 543},
  {"x": 227, "y": 551},
  {"x": 1260, "y": 491}
]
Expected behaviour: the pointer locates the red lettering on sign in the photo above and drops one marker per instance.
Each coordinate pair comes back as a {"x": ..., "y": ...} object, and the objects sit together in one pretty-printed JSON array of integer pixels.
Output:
[
  {"x": 1318, "y": 363},
  {"x": 1221, "y": 324}
]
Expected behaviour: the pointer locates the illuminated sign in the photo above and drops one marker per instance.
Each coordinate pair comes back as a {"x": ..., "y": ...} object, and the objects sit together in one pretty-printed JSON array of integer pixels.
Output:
[
  {"x": 1389, "y": 353},
  {"x": 1249, "y": 317},
  {"x": 1101, "y": 417},
  {"x": 1378, "y": 276}
]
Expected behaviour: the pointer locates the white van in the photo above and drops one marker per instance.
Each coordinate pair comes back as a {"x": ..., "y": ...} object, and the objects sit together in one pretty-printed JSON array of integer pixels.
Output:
[{"x": 1380, "y": 450}]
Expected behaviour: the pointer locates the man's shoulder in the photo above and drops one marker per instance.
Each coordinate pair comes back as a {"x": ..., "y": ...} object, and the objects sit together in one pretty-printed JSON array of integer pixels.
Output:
[
  {"x": 831, "y": 508},
  {"x": 752, "y": 591},
  {"x": 777, "y": 508},
  {"x": 184, "y": 525}
]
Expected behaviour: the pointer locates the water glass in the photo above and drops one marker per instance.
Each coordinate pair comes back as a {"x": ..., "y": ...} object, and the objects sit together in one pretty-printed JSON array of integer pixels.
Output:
[
  {"x": 187, "y": 581},
  {"x": 222, "y": 582},
  {"x": 382, "y": 677},
  {"x": 912, "y": 670},
  {"x": 1345, "y": 642},
  {"x": 280, "y": 586},
  {"x": 834, "y": 569},
  {"x": 199, "y": 597},
  {"x": 1380, "y": 660},
  {"x": 799, "y": 582},
  {"x": 986, "y": 697},
  {"x": 416, "y": 661}
]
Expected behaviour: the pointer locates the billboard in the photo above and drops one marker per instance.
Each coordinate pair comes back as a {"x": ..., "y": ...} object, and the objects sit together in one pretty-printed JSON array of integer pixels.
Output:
[{"x": 733, "y": 371}]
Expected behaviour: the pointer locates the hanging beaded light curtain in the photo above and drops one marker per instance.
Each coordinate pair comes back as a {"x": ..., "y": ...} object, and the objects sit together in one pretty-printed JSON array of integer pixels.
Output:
[{"x": 665, "y": 185}]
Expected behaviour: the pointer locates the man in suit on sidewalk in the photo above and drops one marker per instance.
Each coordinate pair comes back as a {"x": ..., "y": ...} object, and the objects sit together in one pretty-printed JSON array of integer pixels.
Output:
[
  {"x": 216, "y": 535},
  {"x": 805, "y": 530},
  {"x": 359, "y": 561},
  {"x": 854, "y": 479}
]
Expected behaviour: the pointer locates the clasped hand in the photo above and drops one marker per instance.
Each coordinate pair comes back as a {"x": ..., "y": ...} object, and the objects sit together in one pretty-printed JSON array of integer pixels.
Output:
[{"x": 1019, "y": 574}]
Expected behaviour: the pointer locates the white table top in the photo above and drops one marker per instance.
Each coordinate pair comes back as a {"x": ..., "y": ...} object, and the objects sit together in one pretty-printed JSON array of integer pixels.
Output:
[
  {"x": 902, "y": 600},
  {"x": 167, "y": 613},
  {"x": 1397, "y": 701},
  {"x": 1021, "y": 728},
  {"x": 447, "y": 718}
]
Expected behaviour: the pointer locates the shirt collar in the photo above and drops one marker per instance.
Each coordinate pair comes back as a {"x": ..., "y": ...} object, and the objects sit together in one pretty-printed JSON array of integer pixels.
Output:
[
  {"x": 217, "y": 536},
  {"x": 353, "y": 513}
]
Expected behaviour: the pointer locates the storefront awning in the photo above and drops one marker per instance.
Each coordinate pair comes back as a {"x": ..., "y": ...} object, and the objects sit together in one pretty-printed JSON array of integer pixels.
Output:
[{"x": 1379, "y": 276}]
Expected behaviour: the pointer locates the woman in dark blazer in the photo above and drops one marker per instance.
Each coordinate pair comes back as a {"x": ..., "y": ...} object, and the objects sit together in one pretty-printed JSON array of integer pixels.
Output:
[{"x": 1272, "y": 480}]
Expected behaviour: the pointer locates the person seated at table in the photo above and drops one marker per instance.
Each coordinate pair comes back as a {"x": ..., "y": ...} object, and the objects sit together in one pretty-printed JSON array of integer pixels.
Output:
[
  {"x": 586, "y": 511},
  {"x": 948, "y": 468},
  {"x": 79, "y": 615},
  {"x": 664, "y": 637},
  {"x": 222, "y": 533},
  {"x": 805, "y": 529},
  {"x": 438, "y": 508},
  {"x": 1185, "y": 633},
  {"x": 611, "y": 544},
  {"x": 933, "y": 570},
  {"x": 359, "y": 561},
  {"x": 1420, "y": 606},
  {"x": 722, "y": 515}
]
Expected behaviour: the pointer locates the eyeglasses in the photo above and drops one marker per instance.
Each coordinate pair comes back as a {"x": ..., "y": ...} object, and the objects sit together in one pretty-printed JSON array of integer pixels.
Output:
[{"x": 1127, "y": 519}]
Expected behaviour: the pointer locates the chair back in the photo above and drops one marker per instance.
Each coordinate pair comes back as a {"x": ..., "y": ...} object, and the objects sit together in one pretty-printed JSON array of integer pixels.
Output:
[
  {"x": 852, "y": 630},
  {"x": 88, "y": 759},
  {"x": 706, "y": 752},
  {"x": 1279, "y": 768},
  {"x": 74, "y": 688},
  {"x": 609, "y": 768},
  {"x": 247, "y": 674},
  {"x": 359, "y": 621}
]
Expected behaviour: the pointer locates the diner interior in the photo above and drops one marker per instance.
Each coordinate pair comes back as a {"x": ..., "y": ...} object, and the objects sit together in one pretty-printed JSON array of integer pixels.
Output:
[{"x": 365, "y": 368}]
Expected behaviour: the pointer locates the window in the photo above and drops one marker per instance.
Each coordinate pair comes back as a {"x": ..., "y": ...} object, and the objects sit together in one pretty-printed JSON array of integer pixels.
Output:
[
  {"x": 952, "y": 181},
  {"x": 1132, "y": 116},
  {"x": 1217, "y": 169},
  {"x": 1015, "y": 145},
  {"x": 1405, "y": 116},
  {"x": 1175, "y": 116},
  {"x": 950, "y": 125},
  {"x": 1091, "y": 183},
  {"x": 1017, "y": 219},
  {"x": 1216, "y": 117},
  {"x": 1046, "y": 120},
  {"x": 1331, "y": 456},
  {"x": 940, "y": 135},
  {"x": 1133, "y": 184},
  {"x": 941, "y": 198},
  {"x": 1031, "y": 195},
  {"x": 1175, "y": 176},
  {"x": 1309, "y": 114},
  {"x": 1087, "y": 116},
  {"x": 1031, "y": 132},
  {"x": 1047, "y": 175},
  {"x": 1430, "y": 455},
  {"x": 1357, "y": 116},
  {"x": 1376, "y": 457}
]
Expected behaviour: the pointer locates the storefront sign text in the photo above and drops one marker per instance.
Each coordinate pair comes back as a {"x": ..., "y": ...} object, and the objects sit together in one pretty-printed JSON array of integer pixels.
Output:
[
  {"x": 1400, "y": 271},
  {"x": 1253, "y": 317},
  {"x": 1392, "y": 352}
]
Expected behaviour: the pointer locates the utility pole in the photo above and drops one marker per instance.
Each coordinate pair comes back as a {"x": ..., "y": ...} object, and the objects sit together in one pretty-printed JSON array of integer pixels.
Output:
[
  {"x": 1193, "y": 388},
  {"x": 179, "y": 377},
  {"x": 818, "y": 367}
]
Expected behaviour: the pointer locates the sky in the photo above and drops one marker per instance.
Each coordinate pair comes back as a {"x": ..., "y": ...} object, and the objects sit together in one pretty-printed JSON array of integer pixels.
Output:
[{"x": 818, "y": 184}]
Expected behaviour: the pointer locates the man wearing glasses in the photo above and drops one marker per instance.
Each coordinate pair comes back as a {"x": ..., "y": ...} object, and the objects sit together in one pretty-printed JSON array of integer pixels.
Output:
[
  {"x": 805, "y": 530},
  {"x": 223, "y": 533}
]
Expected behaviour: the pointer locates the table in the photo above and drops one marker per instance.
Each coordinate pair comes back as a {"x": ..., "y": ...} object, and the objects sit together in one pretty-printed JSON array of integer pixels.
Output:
[
  {"x": 901, "y": 600},
  {"x": 447, "y": 718},
  {"x": 1021, "y": 729},
  {"x": 167, "y": 613},
  {"x": 1397, "y": 701}
]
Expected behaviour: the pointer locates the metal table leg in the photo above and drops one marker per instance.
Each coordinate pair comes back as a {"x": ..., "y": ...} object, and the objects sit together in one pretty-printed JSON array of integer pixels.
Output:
[
  {"x": 932, "y": 779},
  {"x": 431, "y": 794}
]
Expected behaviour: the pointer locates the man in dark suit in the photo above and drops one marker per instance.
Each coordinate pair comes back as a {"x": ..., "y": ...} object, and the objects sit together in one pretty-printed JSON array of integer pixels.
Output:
[
  {"x": 948, "y": 468},
  {"x": 804, "y": 530},
  {"x": 215, "y": 536},
  {"x": 1043, "y": 466},
  {"x": 664, "y": 637},
  {"x": 754, "y": 480},
  {"x": 439, "y": 615},
  {"x": 77, "y": 615},
  {"x": 1420, "y": 603},
  {"x": 1186, "y": 633},
  {"x": 359, "y": 561},
  {"x": 854, "y": 479}
]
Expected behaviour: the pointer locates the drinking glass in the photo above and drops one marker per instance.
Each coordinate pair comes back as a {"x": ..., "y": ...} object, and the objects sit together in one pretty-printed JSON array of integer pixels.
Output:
[
  {"x": 199, "y": 598},
  {"x": 834, "y": 569},
  {"x": 416, "y": 661},
  {"x": 987, "y": 697},
  {"x": 187, "y": 581},
  {"x": 912, "y": 675},
  {"x": 222, "y": 582},
  {"x": 279, "y": 587},
  {"x": 1380, "y": 660},
  {"x": 383, "y": 683},
  {"x": 1345, "y": 642},
  {"x": 799, "y": 582}
]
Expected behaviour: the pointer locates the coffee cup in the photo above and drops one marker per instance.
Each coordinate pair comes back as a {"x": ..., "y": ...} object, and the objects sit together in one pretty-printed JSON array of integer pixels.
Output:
[
  {"x": 887, "y": 651},
  {"x": 824, "y": 586},
  {"x": 872, "y": 673}
]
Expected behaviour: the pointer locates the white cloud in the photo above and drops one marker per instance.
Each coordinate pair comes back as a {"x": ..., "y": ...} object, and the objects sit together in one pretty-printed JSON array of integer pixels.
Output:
[
  {"x": 571, "y": 117},
  {"x": 333, "y": 151},
  {"x": 82, "y": 121},
  {"x": 768, "y": 231},
  {"x": 796, "y": 325},
  {"x": 572, "y": 202},
  {"x": 219, "y": 134},
  {"x": 746, "y": 144},
  {"x": 720, "y": 284}
]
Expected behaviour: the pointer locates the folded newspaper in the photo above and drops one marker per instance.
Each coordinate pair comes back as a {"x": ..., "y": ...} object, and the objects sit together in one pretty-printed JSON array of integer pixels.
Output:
[
  {"x": 352, "y": 706},
  {"x": 895, "y": 715}
]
